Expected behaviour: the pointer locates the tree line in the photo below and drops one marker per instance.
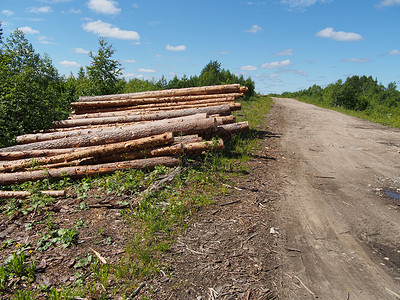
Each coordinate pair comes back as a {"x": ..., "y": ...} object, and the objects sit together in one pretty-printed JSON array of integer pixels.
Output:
[
  {"x": 361, "y": 94},
  {"x": 33, "y": 93}
]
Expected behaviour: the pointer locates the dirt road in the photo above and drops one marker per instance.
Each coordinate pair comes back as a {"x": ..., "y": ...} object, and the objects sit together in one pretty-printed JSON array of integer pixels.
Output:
[{"x": 338, "y": 228}]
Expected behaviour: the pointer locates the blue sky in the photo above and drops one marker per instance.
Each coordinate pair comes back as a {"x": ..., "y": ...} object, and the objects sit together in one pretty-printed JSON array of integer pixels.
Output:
[{"x": 283, "y": 45}]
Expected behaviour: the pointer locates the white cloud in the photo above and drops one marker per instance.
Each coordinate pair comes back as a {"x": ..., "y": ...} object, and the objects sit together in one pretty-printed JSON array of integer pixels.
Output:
[
  {"x": 302, "y": 3},
  {"x": 7, "y": 13},
  {"x": 175, "y": 48},
  {"x": 69, "y": 64},
  {"x": 127, "y": 75},
  {"x": 389, "y": 3},
  {"x": 28, "y": 30},
  {"x": 106, "y": 30},
  {"x": 276, "y": 64},
  {"x": 254, "y": 29},
  {"x": 142, "y": 70},
  {"x": 73, "y": 11},
  {"x": 40, "y": 10},
  {"x": 158, "y": 55},
  {"x": 357, "y": 60},
  {"x": 81, "y": 51},
  {"x": 248, "y": 68},
  {"x": 130, "y": 61},
  {"x": 107, "y": 7},
  {"x": 393, "y": 52},
  {"x": 296, "y": 72},
  {"x": 45, "y": 40},
  {"x": 223, "y": 52},
  {"x": 273, "y": 75},
  {"x": 340, "y": 36},
  {"x": 285, "y": 52}
]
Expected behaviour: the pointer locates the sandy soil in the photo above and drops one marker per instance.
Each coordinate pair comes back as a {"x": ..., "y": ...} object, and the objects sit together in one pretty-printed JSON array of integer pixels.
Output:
[{"x": 342, "y": 228}]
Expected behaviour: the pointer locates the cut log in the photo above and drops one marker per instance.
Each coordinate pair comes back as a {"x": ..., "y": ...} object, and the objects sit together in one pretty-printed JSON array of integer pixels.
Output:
[
  {"x": 235, "y": 128},
  {"x": 222, "y": 110},
  {"x": 204, "y": 90},
  {"x": 142, "y": 112},
  {"x": 227, "y": 130},
  {"x": 187, "y": 139},
  {"x": 225, "y": 120},
  {"x": 144, "y": 101},
  {"x": 103, "y": 150},
  {"x": 82, "y": 171},
  {"x": 39, "y": 137},
  {"x": 201, "y": 127},
  {"x": 16, "y": 155},
  {"x": 26, "y": 194},
  {"x": 154, "y": 108},
  {"x": 200, "y": 147},
  {"x": 173, "y": 150}
]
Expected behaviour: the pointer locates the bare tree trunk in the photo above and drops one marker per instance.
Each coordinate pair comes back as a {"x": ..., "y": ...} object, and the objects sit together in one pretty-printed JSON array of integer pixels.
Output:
[
  {"x": 82, "y": 171},
  {"x": 102, "y": 150},
  {"x": 145, "y": 101},
  {"x": 201, "y": 127},
  {"x": 222, "y": 110},
  {"x": 204, "y": 90},
  {"x": 39, "y": 137},
  {"x": 26, "y": 194}
]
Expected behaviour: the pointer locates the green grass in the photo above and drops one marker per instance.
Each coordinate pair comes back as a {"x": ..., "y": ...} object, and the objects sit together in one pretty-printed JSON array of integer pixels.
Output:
[
  {"x": 160, "y": 217},
  {"x": 380, "y": 114}
]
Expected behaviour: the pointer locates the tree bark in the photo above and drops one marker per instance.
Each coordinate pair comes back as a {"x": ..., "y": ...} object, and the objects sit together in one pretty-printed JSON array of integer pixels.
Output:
[
  {"x": 204, "y": 90},
  {"x": 103, "y": 150},
  {"x": 16, "y": 155},
  {"x": 222, "y": 110},
  {"x": 199, "y": 147},
  {"x": 39, "y": 137},
  {"x": 201, "y": 127},
  {"x": 235, "y": 128},
  {"x": 144, "y": 101},
  {"x": 155, "y": 108},
  {"x": 26, "y": 194},
  {"x": 173, "y": 150},
  {"x": 82, "y": 171}
]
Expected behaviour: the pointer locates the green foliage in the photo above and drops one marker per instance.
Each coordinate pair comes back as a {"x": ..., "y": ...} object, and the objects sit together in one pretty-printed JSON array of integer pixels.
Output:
[
  {"x": 63, "y": 236},
  {"x": 211, "y": 74},
  {"x": 16, "y": 266},
  {"x": 361, "y": 96},
  {"x": 31, "y": 91},
  {"x": 103, "y": 72}
]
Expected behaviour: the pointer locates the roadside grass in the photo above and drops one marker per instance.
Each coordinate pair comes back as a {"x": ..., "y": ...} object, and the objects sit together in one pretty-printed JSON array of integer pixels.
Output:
[
  {"x": 153, "y": 225},
  {"x": 388, "y": 116}
]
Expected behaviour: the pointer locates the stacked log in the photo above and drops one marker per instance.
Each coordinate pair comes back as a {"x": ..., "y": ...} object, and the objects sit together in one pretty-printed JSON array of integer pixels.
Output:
[{"x": 116, "y": 132}]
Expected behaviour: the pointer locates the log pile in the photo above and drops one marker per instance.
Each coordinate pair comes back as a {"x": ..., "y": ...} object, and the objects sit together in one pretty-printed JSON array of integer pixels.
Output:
[{"x": 116, "y": 132}]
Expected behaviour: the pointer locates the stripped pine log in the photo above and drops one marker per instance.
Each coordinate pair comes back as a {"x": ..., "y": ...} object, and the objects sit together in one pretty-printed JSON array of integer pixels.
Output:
[
  {"x": 200, "y": 126},
  {"x": 226, "y": 131},
  {"x": 82, "y": 171},
  {"x": 39, "y": 137},
  {"x": 102, "y": 150},
  {"x": 233, "y": 107},
  {"x": 222, "y": 110},
  {"x": 189, "y": 147},
  {"x": 173, "y": 150},
  {"x": 26, "y": 194},
  {"x": 220, "y": 120},
  {"x": 16, "y": 155},
  {"x": 153, "y": 108},
  {"x": 204, "y": 90},
  {"x": 143, "y": 101}
]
